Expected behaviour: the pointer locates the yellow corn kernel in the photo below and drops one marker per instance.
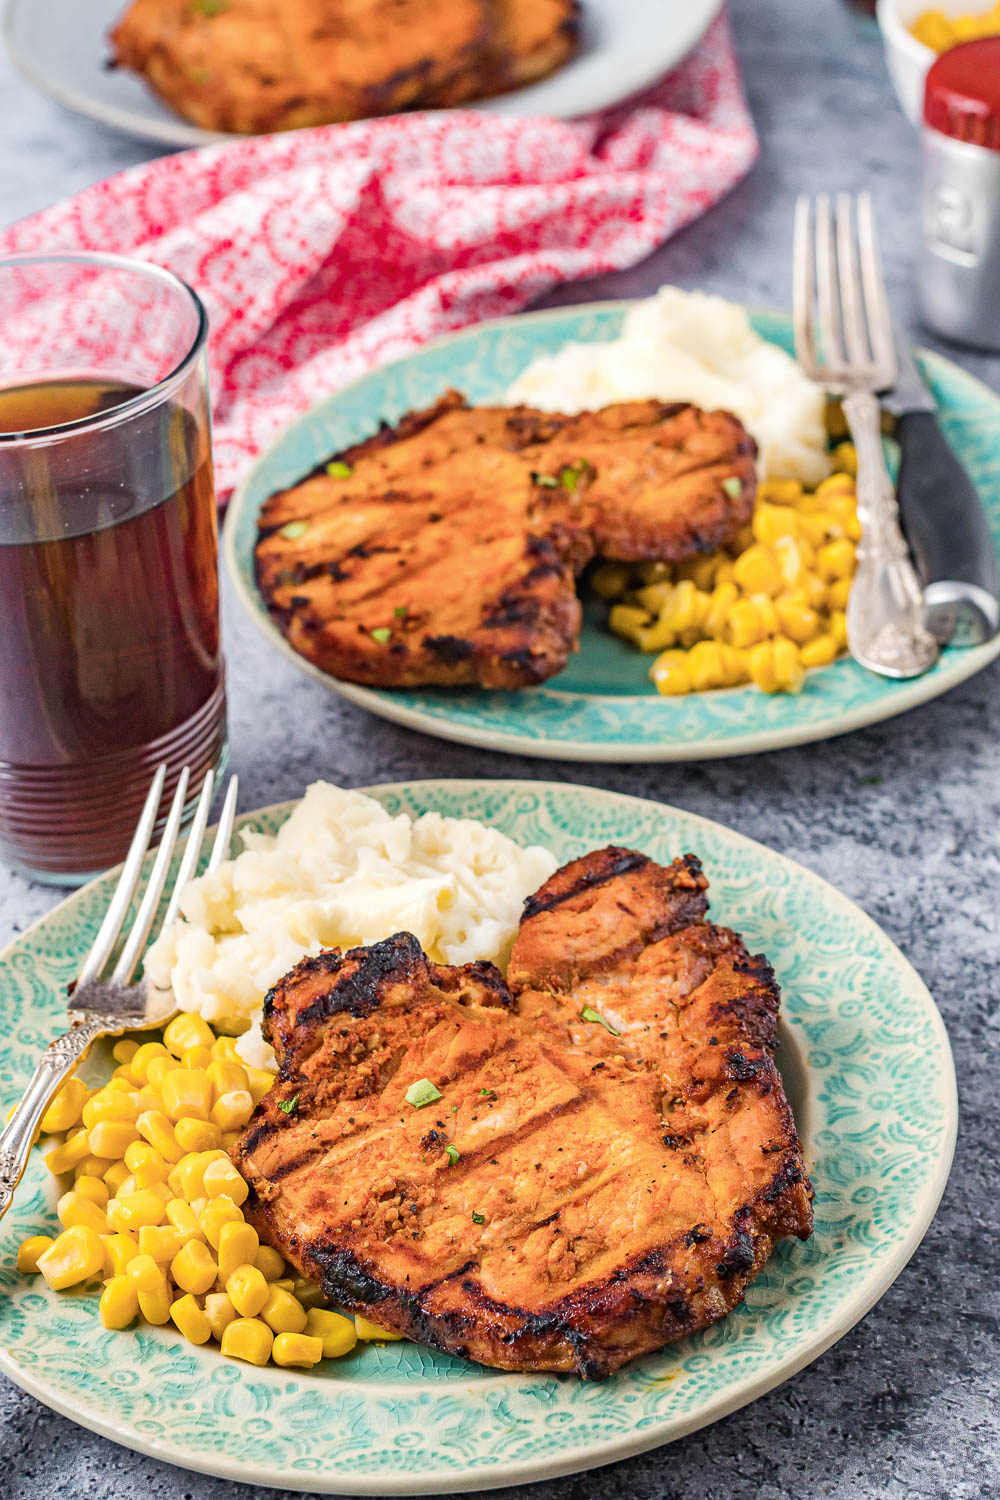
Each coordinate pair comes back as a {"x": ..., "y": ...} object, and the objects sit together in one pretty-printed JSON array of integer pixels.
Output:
[
  {"x": 701, "y": 571},
  {"x": 248, "y": 1291},
  {"x": 145, "y": 1163},
  {"x": 143, "y": 1207},
  {"x": 187, "y": 1091},
  {"x": 297, "y": 1349},
  {"x": 371, "y": 1331},
  {"x": 838, "y": 591},
  {"x": 91, "y": 1166},
  {"x": 971, "y": 28},
  {"x": 109, "y": 1104},
  {"x": 142, "y": 1057},
  {"x": 29, "y": 1251},
  {"x": 818, "y": 652},
  {"x": 110, "y": 1138},
  {"x": 94, "y": 1188},
  {"x": 308, "y": 1293},
  {"x": 835, "y": 559},
  {"x": 194, "y": 1268},
  {"x": 845, "y": 459},
  {"x": 182, "y": 1220},
  {"x": 745, "y": 627},
  {"x": 816, "y": 528},
  {"x": 248, "y": 1339},
  {"x": 158, "y": 1069},
  {"x": 196, "y": 1057},
  {"x": 238, "y": 1246},
  {"x": 190, "y": 1320},
  {"x": 935, "y": 31},
  {"x": 788, "y": 669},
  {"x": 741, "y": 541},
  {"x": 119, "y": 1250},
  {"x": 231, "y": 1111},
  {"x": 161, "y": 1241},
  {"x": 226, "y": 1075},
  {"x": 657, "y": 636},
  {"x": 124, "y": 1050},
  {"x": 670, "y": 674},
  {"x": 723, "y": 597},
  {"x": 794, "y": 558},
  {"x": 837, "y": 484},
  {"x": 188, "y": 1177},
  {"x": 283, "y": 1312},
  {"x": 225, "y": 1047},
  {"x": 155, "y": 1128},
  {"x": 269, "y": 1263},
  {"x": 259, "y": 1082},
  {"x": 145, "y": 1273},
  {"x": 797, "y": 620},
  {"x": 229, "y": 1139},
  {"x": 337, "y": 1334},
  {"x": 779, "y": 491},
  {"x": 626, "y": 620},
  {"x": 609, "y": 580},
  {"x": 65, "y": 1157},
  {"x": 284, "y": 1284},
  {"x": 684, "y": 609},
  {"x": 220, "y": 1312},
  {"x": 73, "y": 1208},
  {"x": 222, "y": 1177},
  {"x": 187, "y": 1030},
  {"x": 65, "y": 1107},
  {"x": 760, "y": 664},
  {"x": 774, "y": 523},
  {"x": 119, "y": 1303},
  {"x": 155, "y": 1305},
  {"x": 217, "y": 1213},
  {"x": 146, "y": 1098},
  {"x": 75, "y": 1255},
  {"x": 814, "y": 589},
  {"x": 116, "y": 1174},
  {"x": 197, "y": 1135},
  {"x": 705, "y": 666}
]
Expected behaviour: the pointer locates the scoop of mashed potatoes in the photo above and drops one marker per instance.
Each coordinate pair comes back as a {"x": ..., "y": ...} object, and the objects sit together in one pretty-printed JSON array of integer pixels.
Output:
[
  {"x": 340, "y": 872},
  {"x": 689, "y": 346}
]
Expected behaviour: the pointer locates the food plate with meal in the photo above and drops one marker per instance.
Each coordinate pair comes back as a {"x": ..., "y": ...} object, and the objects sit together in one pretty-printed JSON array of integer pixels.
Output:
[
  {"x": 190, "y": 72},
  {"x": 612, "y": 532},
  {"x": 540, "y": 1181}
]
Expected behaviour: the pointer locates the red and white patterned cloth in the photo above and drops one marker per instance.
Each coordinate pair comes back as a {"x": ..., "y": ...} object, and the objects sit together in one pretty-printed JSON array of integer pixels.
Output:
[{"x": 325, "y": 252}]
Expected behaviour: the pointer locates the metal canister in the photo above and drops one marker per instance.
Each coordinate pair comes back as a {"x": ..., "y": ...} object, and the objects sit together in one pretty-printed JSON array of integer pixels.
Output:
[{"x": 960, "y": 261}]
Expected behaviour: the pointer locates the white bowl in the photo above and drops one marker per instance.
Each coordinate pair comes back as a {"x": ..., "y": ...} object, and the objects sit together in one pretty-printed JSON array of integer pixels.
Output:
[{"x": 906, "y": 58}]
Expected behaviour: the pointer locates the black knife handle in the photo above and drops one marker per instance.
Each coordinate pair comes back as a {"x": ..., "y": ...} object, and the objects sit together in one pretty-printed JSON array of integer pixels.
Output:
[{"x": 948, "y": 533}]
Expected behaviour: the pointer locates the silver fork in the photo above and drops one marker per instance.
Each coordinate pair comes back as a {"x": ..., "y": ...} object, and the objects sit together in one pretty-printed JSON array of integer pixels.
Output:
[
  {"x": 843, "y": 340},
  {"x": 109, "y": 1006}
]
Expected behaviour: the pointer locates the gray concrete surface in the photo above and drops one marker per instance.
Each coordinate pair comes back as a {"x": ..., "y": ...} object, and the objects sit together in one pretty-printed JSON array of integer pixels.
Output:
[{"x": 903, "y": 817}]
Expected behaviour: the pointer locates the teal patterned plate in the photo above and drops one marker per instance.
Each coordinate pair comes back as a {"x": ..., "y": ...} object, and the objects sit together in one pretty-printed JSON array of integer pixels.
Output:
[
  {"x": 868, "y": 1069},
  {"x": 603, "y": 706}
]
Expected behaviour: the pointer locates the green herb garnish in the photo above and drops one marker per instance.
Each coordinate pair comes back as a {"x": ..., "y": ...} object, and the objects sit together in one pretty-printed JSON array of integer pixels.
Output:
[
  {"x": 452, "y": 1153},
  {"x": 293, "y": 530},
  {"x": 733, "y": 487},
  {"x": 400, "y": 611},
  {"x": 479, "y": 1218},
  {"x": 288, "y": 1106},
  {"x": 208, "y": 7},
  {"x": 547, "y": 481},
  {"x": 382, "y": 635},
  {"x": 487, "y": 1094},
  {"x": 589, "y": 1014},
  {"x": 422, "y": 1092},
  {"x": 571, "y": 474},
  {"x": 339, "y": 470}
]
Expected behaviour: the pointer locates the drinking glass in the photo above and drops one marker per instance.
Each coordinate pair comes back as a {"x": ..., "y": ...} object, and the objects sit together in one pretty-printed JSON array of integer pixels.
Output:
[{"x": 109, "y": 598}]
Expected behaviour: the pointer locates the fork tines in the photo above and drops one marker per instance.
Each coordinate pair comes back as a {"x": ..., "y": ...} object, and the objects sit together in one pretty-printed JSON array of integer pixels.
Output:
[{"x": 843, "y": 329}]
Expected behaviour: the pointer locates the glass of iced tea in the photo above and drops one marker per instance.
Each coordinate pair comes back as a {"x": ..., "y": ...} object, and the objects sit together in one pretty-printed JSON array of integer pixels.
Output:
[{"x": 109, "y": 593}]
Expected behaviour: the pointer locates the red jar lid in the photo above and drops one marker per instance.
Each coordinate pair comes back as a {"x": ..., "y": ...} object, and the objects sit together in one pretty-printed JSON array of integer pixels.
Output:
[{"x": 962, "y": 94}]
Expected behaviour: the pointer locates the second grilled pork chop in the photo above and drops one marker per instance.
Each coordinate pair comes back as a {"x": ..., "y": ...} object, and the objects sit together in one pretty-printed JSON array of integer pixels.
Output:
[
  {"x": 611, "y": 1157},
  {"x": 442, "y": 551}
]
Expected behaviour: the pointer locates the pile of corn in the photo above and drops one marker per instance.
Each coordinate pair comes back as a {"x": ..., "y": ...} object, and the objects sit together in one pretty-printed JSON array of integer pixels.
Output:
[
  {"x": 761, "y": 610},
  {"x": 154, "y": 1210},
  {"x": 938, "y": 31}
]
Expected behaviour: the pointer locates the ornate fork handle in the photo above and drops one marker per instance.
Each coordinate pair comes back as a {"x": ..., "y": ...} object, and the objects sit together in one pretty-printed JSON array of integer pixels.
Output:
[
  {"x": 55, "y": 1065},
  {"x": 885, "y": 609}
]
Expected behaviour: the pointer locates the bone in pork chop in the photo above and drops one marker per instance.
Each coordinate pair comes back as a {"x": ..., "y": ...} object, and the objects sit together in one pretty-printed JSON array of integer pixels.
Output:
[{"x": 607, "y": 1158}]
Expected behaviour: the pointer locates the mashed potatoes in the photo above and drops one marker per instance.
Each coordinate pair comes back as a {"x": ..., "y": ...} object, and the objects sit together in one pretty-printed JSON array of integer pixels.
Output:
[
  {"x": 688, "y": 346},
  {"x": 341, "y": 871}
]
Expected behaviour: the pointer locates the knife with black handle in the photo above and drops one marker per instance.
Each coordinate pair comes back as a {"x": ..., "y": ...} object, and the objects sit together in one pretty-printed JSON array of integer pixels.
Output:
[{"x": 943, "y": 518}]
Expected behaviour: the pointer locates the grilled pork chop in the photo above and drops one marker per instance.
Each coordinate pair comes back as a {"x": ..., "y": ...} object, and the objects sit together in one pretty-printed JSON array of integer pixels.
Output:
[
  {"x": 261, "y": 65},
  {"x": 442, "y": 551},
  {"x": 557, "y": 1173}
]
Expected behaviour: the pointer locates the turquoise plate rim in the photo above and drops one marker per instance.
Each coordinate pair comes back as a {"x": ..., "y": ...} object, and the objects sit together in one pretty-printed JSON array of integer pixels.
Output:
[
  {"x": 917, "y": 1172},
  {"x": 558, "y": 723}
]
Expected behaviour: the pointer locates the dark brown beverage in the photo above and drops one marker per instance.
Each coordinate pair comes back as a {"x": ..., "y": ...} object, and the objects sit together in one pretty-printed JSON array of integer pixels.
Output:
[{"x": 109, "y": 635}]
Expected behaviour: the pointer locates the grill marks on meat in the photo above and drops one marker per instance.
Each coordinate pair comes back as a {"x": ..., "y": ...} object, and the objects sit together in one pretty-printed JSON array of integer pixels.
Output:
[
  {"x": 262, "y": 65},
  {"x": 612, "y": 1191},
  {"x": 460, "y": 530}
]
